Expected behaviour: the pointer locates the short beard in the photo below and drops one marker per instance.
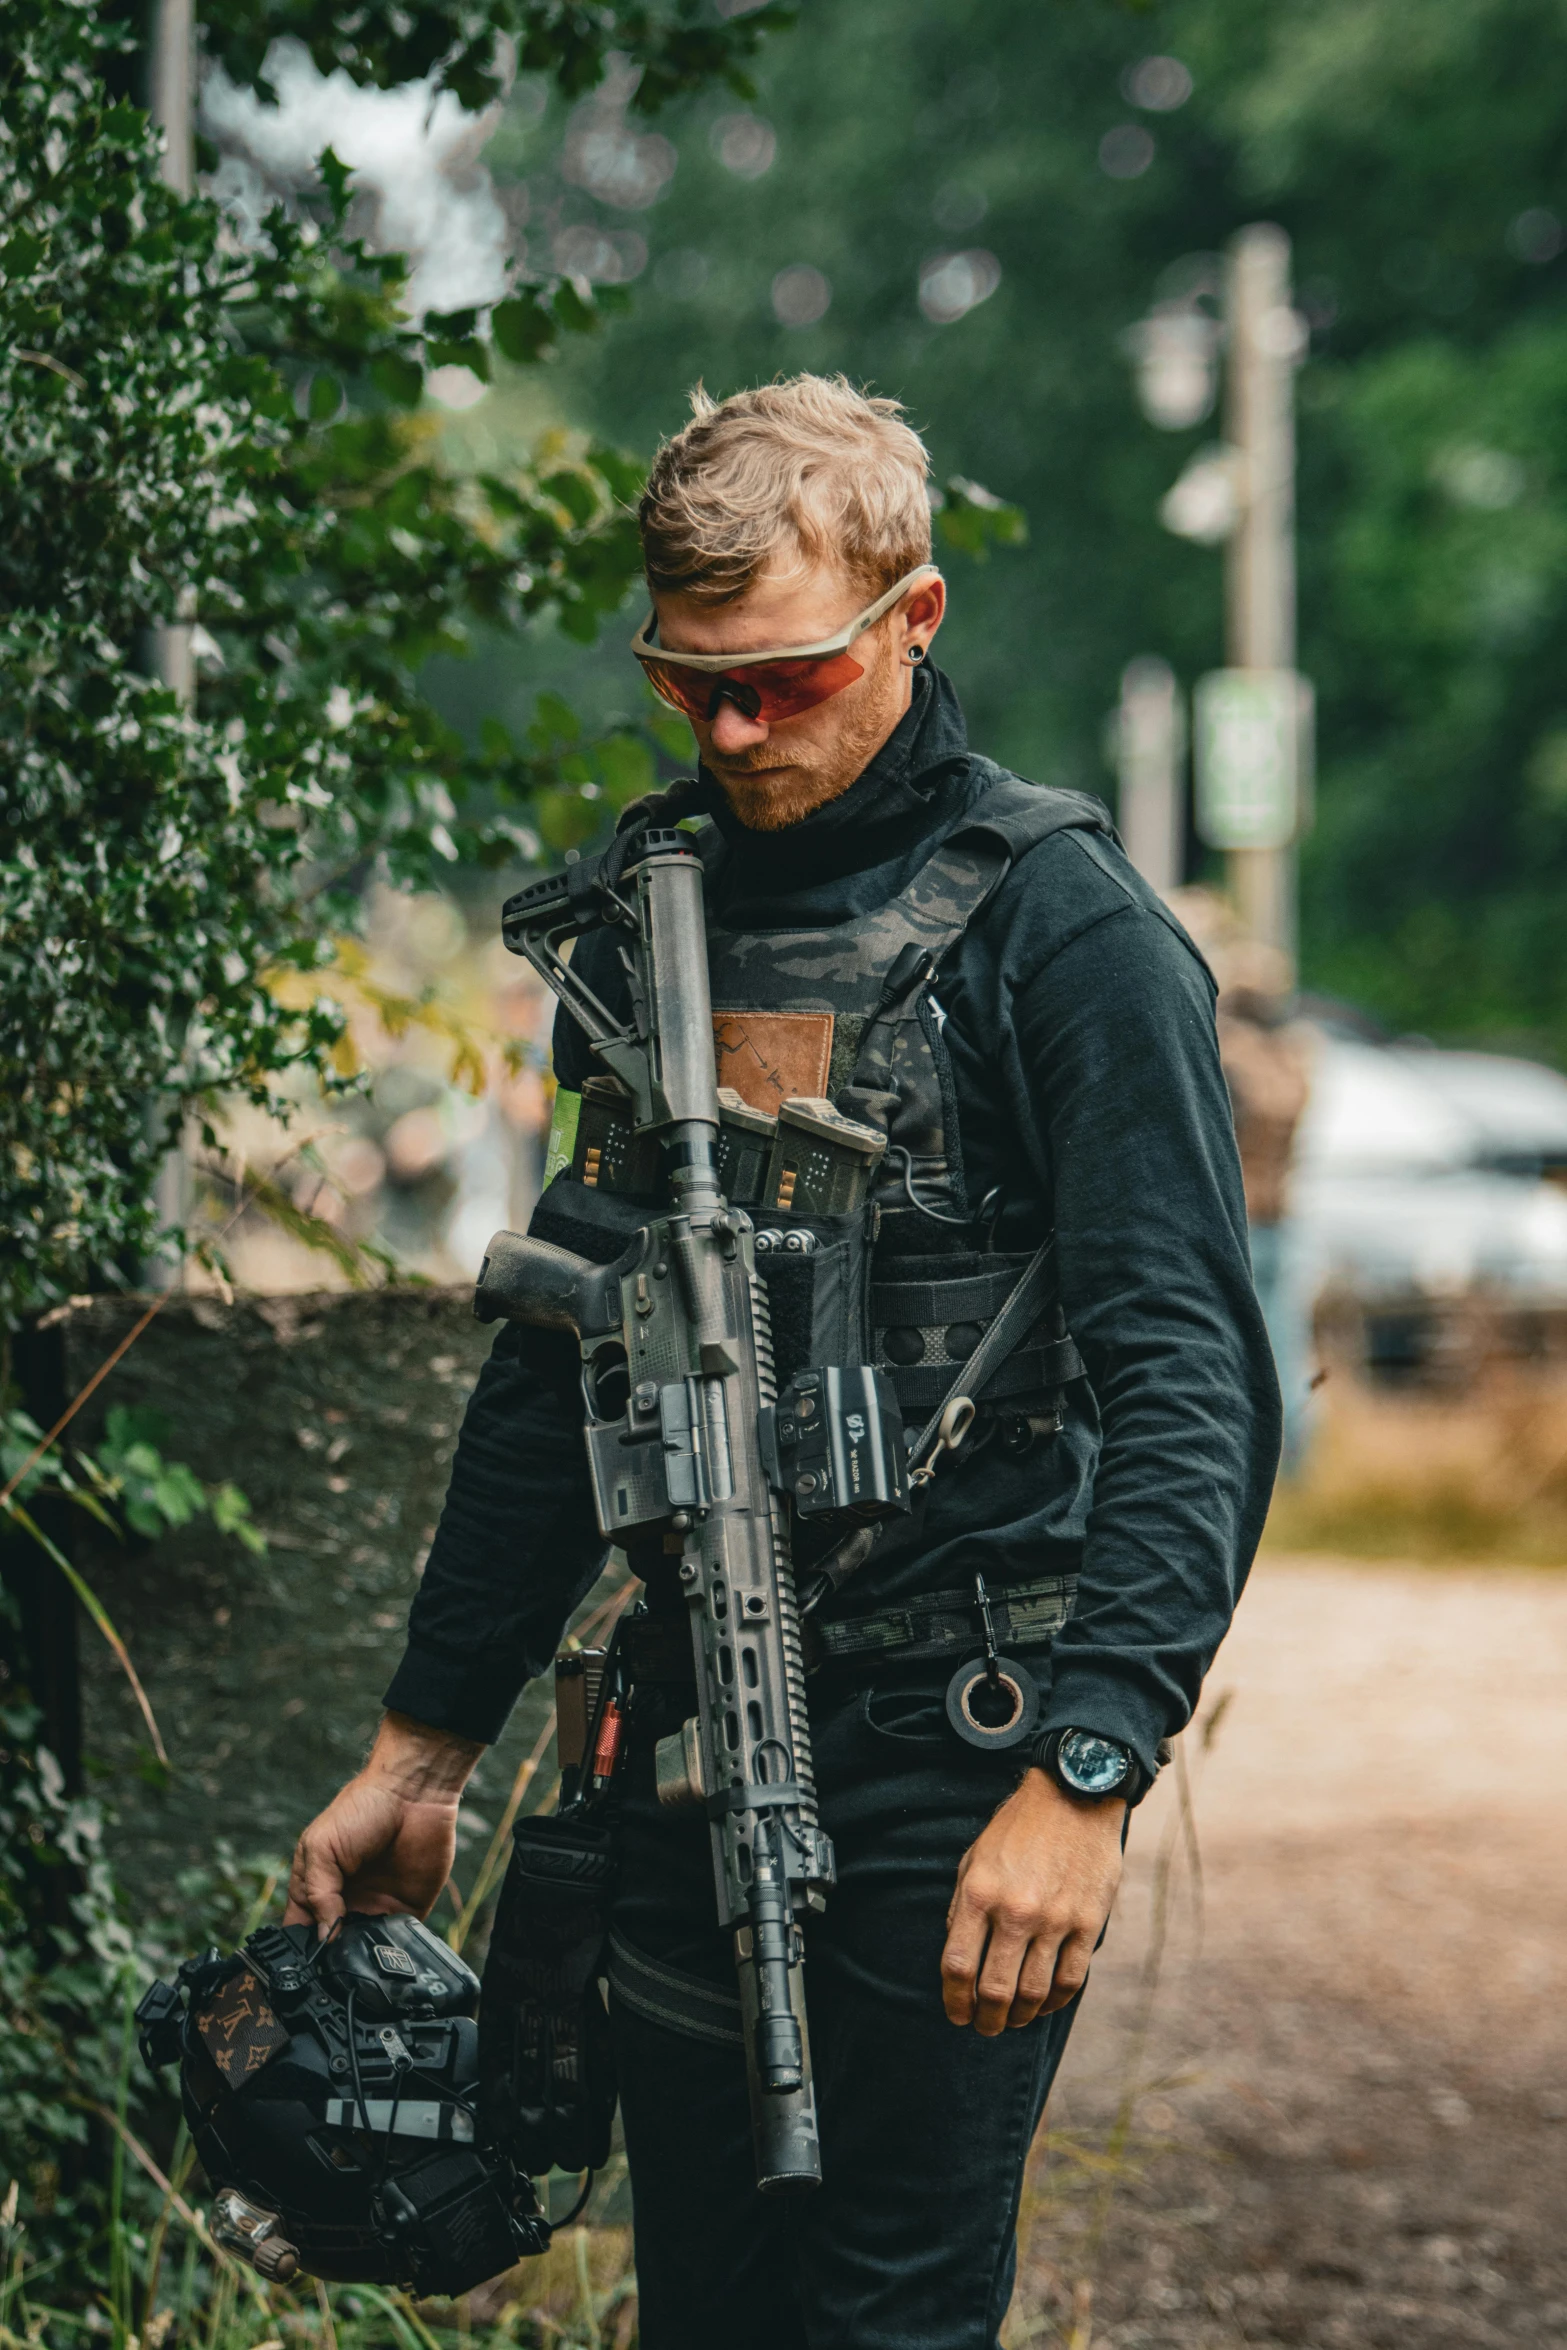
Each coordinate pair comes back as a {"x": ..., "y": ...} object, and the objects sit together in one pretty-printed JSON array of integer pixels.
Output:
[
  {"x": 772, "y": 798},
  {"x": 769, "y": 798}
]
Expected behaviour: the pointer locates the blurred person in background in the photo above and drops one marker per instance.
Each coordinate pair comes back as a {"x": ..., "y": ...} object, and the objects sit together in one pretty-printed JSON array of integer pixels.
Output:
[
  {"x": 1057, "y": 1074},
  {"x": 1266, "y": 1057}
]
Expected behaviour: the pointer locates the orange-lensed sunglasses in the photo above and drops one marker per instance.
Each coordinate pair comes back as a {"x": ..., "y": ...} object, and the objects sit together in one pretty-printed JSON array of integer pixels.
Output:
[{"x": 765, "y": 686}]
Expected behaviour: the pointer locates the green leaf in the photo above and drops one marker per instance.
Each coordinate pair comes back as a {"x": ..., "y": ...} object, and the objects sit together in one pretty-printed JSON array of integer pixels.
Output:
[
  {"x": 573, "y": 491},
  {"x": 624, "y": 766},
  {"x": 231, "y": 1515},
  {"x": 556, "y": 721},
  {"x": 523, "y": 330},
  {"x": 336, "y": 177},
  {"x": 451, "y": 326},
  {"x": 448, "y": 351},
  {"x": 625, "y": 477},
  {"x": 566, "y": 819},
  {"x": 973, "y": 520},
  {"x": 22, "y": 252},
  {"x": 178, "y": 1493},
  {"x": 400, "y": 378},
  {"x": 326, "y": 397},
  {"x": 141, "y": 1460},
  {"x": 127, "y": 1424},
  {"x": 579, "y": 317},
  {"x": 671, "y": 734}
]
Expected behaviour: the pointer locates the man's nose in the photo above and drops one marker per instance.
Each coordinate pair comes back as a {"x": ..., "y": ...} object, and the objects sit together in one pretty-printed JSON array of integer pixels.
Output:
[{"x": 731, "y": 730}]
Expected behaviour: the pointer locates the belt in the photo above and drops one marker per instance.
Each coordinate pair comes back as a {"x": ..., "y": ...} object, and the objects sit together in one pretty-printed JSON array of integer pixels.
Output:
[
  {"x": 932, "y": 1624},
  {"x": 944, "y": 1623}
]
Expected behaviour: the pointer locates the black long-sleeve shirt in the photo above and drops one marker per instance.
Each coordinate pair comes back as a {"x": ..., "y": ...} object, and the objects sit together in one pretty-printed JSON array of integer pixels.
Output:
[{"x": 1081, "y": 1035}]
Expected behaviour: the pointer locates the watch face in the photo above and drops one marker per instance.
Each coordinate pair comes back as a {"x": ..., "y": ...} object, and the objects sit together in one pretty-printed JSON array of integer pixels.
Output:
[{"x": 1093, "y": 1765}]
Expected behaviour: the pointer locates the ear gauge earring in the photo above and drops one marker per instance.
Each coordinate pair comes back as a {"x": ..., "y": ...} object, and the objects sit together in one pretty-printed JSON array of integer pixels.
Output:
[{"x": 916, "y": 655}]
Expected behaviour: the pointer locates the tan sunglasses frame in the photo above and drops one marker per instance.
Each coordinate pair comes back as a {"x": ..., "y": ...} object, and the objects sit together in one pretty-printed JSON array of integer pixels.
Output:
[{"x": 717, "y": 663}]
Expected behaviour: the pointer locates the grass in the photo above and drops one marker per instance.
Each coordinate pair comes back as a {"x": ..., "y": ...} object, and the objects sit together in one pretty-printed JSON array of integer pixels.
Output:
[
  {"x": 170, "y": 2288},
  {"x": 1473, "y": 1478}
]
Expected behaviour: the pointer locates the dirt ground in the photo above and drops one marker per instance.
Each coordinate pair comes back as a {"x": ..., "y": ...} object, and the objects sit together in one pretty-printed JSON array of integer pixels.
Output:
[{"x": 1318, "y": 2093}]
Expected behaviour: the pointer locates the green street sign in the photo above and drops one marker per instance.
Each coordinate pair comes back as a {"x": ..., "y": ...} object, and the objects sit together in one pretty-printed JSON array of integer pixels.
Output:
[{"x": 1251, "y": 737}]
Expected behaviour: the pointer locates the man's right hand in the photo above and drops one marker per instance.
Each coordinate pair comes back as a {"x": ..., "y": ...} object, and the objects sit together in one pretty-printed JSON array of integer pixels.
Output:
[{"x": 386, "y": 1842}]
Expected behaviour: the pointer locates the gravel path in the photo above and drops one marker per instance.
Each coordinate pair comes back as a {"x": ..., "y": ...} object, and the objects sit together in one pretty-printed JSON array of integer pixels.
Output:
[{"x": 1327, "y": 2105}]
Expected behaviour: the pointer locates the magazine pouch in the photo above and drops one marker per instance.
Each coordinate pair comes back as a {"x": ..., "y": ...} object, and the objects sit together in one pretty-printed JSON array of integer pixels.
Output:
[{"x": 545, "y": 2059}]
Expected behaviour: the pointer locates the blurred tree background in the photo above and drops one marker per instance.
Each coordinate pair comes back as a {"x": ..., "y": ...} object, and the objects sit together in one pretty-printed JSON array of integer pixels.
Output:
[{"x": 968, "y": 209}]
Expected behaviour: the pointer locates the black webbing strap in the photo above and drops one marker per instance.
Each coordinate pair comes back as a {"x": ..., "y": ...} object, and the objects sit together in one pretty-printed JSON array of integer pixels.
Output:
[
  {"x": 938, "y": 1623},
  {"x": 944, "y": 1623},
  {"x": 681, "y": 2003},
  {"x": 1013, "y": 1324},
  {"x": 933, "y": 1301},
  {"x": 1027, "y": 1372}
]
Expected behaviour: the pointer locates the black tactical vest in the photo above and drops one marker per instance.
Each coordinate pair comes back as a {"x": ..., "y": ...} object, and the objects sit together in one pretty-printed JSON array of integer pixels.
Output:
[{"x": 852, "y": 1012}]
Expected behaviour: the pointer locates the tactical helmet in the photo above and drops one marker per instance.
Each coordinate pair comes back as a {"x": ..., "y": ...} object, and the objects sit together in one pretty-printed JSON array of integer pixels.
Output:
[{"x": 331, "y": 2091}]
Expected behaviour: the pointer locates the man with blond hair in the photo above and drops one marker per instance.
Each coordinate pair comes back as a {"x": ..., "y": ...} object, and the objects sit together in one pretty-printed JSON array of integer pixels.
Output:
[{"x": 968, "y": 962}]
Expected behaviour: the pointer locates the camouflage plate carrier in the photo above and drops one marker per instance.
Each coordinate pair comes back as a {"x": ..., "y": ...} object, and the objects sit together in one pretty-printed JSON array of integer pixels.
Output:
[{"x": 846, "y": 1022}]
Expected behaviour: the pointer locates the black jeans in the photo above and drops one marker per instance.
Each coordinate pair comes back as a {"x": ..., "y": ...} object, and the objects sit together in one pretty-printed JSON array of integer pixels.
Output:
[{"x": 909, "y": 2242}]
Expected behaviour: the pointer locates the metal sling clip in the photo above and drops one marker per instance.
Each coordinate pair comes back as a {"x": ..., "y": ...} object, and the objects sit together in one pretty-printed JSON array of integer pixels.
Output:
[
  {"x": 954, "y": 1423},
  {"x": 953, "y": 1417}
]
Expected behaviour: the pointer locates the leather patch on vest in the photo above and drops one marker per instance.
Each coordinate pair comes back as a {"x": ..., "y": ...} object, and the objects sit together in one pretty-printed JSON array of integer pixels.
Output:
[{"x": 772, "y": 1057}]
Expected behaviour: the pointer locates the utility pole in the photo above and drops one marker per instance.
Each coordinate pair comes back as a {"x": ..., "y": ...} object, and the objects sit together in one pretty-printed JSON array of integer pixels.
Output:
[
  {"x": 1252, "y": 719},
  {"x": 1264, "y": 338},
  {"x": 1149, "y": 741},
  {"x": 171, "y": 101}
]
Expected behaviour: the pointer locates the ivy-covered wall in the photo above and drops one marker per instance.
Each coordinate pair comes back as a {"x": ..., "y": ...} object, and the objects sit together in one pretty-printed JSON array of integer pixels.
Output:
[{"x": 337, "y": 1414}]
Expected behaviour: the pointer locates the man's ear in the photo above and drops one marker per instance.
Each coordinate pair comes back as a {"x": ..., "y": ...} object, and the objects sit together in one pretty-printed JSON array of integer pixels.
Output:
[{"x": 920, "y": 616}]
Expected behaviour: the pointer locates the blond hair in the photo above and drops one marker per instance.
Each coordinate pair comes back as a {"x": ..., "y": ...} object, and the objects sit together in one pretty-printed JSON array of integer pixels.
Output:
[{"x": 806, "y": 468}]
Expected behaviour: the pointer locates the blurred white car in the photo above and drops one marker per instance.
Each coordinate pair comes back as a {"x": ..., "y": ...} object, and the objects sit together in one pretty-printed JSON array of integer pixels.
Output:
[{"x": 1423, "y": 1174}]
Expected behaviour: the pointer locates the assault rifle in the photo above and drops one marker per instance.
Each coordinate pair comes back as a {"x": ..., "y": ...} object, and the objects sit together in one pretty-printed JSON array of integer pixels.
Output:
[{"x": 685, "y": 1430}]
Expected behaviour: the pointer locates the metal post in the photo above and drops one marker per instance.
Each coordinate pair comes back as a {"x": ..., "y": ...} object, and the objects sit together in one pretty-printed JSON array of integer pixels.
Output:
[
  {"x": 171, "y": 97},
  {"x": 1264, "y": 338},
  {"x": 1149, "y": 741},
  {"x": 171, "y": 102}
]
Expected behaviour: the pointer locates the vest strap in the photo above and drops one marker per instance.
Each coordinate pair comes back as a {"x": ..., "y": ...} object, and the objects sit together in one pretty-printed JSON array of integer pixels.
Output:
[
  {"x": 1031, "y": 1371},
  {"x": 929, "y": 1304}
]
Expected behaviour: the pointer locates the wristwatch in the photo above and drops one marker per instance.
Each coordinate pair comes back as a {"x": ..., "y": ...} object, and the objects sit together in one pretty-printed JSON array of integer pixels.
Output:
[{"x": 1084, "y": 1763}]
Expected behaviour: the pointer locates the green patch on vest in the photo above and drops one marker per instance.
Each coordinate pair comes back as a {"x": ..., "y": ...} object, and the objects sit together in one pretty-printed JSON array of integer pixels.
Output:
[{"x": 562, "y": 1144}]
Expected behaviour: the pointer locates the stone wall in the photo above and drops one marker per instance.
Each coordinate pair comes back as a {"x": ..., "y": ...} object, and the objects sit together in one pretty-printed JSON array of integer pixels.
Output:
[{"x": 337, "y": 1415}]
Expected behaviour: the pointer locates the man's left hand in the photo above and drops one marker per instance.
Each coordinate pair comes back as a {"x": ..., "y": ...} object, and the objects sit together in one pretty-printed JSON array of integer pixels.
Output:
[{"x": 1032, "y": 1897}]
